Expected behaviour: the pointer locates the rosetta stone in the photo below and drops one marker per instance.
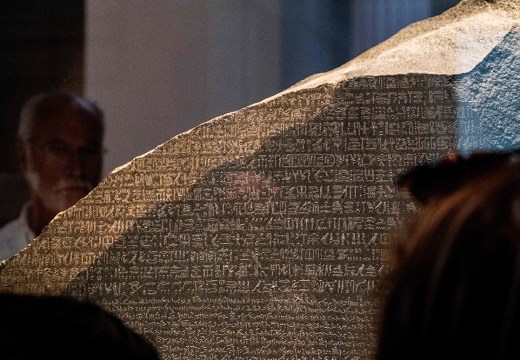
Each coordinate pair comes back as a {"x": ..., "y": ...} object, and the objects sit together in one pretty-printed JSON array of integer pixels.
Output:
[{"x": 263, "y": 233}]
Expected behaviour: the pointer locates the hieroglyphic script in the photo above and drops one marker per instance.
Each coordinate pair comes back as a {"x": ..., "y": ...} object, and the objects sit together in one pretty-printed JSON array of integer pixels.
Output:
[
  {"x": 276, "y": 254},
  {"x": 263, "y": 233}
]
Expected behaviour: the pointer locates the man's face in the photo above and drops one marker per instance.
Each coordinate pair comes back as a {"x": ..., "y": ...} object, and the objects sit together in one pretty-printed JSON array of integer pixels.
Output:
[{"x": 62, "y": 159}]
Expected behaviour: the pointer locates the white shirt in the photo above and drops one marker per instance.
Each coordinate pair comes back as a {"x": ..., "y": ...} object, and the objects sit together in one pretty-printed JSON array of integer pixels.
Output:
[{"x": 15, "y": 235}]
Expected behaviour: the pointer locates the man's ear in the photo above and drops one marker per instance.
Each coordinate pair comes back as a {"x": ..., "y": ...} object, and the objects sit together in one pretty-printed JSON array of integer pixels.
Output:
[{"x": 21, "y": 153}]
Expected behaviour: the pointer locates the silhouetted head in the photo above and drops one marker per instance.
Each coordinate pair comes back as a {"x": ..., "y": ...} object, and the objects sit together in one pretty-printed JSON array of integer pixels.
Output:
[
  {"x": 455, "y": 292},
  {"x": 60, "y": 151},
  {"x": 59, "y": 328},
  {"x": 432, "y": 181}
]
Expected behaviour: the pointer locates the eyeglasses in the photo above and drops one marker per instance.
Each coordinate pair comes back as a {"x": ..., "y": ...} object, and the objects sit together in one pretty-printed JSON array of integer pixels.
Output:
[
  {"x": 441, "y": 178},
  {"x": 62, "y": 152}
]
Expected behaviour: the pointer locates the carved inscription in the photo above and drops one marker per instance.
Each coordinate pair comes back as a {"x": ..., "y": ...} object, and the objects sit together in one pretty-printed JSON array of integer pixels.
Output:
[
  {"x": 262, "y": 234},
  {"x": 275, "y": 254}
]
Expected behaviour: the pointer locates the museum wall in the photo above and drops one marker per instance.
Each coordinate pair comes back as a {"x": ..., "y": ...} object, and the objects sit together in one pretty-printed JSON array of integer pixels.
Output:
[{"x": 190, "y": 59}]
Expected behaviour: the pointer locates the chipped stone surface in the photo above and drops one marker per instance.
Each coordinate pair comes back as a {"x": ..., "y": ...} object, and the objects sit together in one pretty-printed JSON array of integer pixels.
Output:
[{"x": 262, "y": 233}]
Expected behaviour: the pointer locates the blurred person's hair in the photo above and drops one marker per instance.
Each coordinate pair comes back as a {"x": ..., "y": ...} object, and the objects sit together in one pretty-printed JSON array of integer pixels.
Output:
[
  {"x": 46, "y": 106},
  {"x": 434, "y": 180},
  {"x": 455, "y": 289},
  {"x": 56, "y": 327}
]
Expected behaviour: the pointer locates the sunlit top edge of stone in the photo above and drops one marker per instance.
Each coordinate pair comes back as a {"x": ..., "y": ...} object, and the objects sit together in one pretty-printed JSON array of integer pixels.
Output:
[{"x": 459, "y": 38}]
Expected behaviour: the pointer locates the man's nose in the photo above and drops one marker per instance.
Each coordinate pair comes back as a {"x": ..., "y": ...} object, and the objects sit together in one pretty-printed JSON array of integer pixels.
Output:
[{"x": 75, "y": 164}]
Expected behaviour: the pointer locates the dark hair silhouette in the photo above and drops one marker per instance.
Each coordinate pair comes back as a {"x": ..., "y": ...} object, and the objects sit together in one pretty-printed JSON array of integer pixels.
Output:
[
  {"x": 45, "y": 327},
  {"x": 455, "y": 292},
  {"x": 434, "y": 180},
  {"x": 44, "y": 107}
]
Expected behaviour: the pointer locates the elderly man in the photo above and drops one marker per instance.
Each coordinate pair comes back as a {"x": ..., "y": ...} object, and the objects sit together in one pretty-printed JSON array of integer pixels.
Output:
[{"x": 60, "y": 151}]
